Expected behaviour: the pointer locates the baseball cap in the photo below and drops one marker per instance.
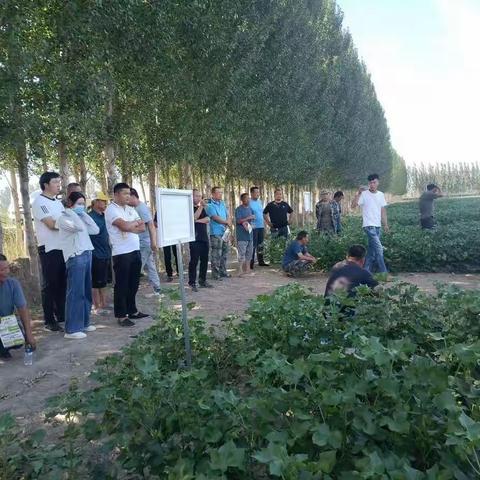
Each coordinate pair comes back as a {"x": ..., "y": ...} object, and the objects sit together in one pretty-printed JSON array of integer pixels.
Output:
[{"x": 100, "y": 196}]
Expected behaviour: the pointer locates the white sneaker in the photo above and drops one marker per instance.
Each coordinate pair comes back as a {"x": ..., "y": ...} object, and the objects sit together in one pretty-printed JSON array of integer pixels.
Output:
[
  {"x": 75, "y": 336},
  {"x": 90, "y": 328}
]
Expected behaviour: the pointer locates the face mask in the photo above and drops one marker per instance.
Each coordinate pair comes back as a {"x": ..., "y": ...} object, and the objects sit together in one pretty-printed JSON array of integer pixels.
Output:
[{"x": 79, "y": 209}]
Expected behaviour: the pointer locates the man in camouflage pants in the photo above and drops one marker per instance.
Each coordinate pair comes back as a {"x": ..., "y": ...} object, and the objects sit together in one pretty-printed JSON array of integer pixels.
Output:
[
  {"x": 220, "y": 221},
  {"x": 296, "y": 259}
]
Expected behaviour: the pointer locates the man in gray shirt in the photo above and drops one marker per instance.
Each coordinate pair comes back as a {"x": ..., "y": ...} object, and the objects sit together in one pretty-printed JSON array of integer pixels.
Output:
[
  {"x": 426, "y": 205},
  {"x": 148, "y": 241}
]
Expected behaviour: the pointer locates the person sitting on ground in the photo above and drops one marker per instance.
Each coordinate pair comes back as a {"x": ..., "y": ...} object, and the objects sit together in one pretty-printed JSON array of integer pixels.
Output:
[
  {"x": 75, "y": 227},
  {"x": 11, "y": 299},
  {"x": 244, "y": 234},
  {"x": 427, "y": 220},
  {"x": 296, "y": 259},
  {"x": 324, "y": 214},
  {"x": 351, "y": 274}
]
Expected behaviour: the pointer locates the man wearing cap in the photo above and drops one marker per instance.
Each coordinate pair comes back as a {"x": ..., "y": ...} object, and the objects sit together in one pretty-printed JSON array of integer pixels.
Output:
[
  {"x": 427, "y": 220},
  {"x": 324, "y": 213},
  {"x": 101, "y": 255}
]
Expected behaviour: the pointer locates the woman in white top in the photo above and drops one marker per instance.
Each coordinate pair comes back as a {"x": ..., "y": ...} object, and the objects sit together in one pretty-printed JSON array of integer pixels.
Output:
[{"x": 75, "y": 226}]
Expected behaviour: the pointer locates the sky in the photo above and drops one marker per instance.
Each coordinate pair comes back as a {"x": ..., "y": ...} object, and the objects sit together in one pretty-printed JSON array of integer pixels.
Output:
[{"x": 424, "y": 59}]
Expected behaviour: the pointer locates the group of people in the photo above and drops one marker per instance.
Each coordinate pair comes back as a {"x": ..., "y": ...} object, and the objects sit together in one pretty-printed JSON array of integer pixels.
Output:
[{"x": 79, "y": 247}]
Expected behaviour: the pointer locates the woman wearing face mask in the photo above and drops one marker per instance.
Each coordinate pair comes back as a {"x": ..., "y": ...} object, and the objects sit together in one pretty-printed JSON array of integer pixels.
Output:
[{"x": 75, "y": 226}]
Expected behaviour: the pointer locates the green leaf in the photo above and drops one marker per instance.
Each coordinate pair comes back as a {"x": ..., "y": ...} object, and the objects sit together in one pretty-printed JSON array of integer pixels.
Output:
[
  {"x": 327, "y": 460},
  {"x": 228, "y": 455}
]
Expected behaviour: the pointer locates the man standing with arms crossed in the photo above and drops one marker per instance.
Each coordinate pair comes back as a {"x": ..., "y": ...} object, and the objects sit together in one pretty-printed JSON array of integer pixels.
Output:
[
  {"x": 199, "y": 248},
  {"x": 372, "y": 202},
  {"x": 148, "y": 241},
  {"x": 219, "y": 222},
  {"x": 124, "y": 225},
  {"x": 258, "y": 225},
  {"x": 277, "y": 216},
  {"x": 46, "y": 211}
]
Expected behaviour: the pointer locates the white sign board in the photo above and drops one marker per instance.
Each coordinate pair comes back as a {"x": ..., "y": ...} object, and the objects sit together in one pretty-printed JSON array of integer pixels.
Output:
[
  {"x": 174, "y": 216},
  {"x": 307, "y": 202}
]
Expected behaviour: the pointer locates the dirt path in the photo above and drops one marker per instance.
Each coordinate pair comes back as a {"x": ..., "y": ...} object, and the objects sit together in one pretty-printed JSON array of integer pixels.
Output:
[{"x": 24, "y": 390}]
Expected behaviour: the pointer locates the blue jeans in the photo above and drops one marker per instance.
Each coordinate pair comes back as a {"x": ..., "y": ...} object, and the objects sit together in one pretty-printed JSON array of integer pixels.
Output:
[
  {"x": 374, "y": 250},
  {"x": 148, "y": 262},
  {"x": 79, "y": 292}
]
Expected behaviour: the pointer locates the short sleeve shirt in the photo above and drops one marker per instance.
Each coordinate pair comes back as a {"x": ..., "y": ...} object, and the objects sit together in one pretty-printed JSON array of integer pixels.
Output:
[
  {"x": 122, "y": 242},
  {"x": 348, "y": 278},
  {"x": 241, "y": 233},
  {"x": 257, "y": 207},
  {"x": 201, "y": 229},
  {"x": 371, "y": 205},
  {"x": 100, "y": 242},
  {"x": 11, "y": 297},
  {"x": 145, "y": 214},
  {"x": 218, "y": 209},
  {"x": 426, "y": 204},
  {"x": 278, "y": 213},
  {"x": 292, "y": 252},
  {"x": 44, "y": 207}
]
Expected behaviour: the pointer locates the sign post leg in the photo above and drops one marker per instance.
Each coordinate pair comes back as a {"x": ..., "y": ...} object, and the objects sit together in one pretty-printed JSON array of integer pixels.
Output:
[{"x": 186, "y": 328}]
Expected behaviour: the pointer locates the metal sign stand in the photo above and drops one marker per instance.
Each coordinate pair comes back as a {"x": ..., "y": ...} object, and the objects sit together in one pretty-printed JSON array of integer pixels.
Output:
[{"x": 186, "y": 328}]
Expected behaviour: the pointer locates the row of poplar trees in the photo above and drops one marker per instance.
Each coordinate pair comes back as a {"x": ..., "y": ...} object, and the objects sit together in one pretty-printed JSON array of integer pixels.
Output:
[{"x": 186, "y": 92}]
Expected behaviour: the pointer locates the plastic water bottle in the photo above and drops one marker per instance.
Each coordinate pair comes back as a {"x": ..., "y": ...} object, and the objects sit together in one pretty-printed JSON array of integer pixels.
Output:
[{"x": 28, "y": 356}]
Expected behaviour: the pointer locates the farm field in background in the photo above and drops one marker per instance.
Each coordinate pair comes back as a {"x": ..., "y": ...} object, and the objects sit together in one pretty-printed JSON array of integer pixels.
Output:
[{"x": 451, "y": 247}]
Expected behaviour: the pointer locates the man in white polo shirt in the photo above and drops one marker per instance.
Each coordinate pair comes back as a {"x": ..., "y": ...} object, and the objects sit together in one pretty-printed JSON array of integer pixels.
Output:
[
  {"x": 372, "y": 202},
  {"x": 124, "y": 225},
  {"x": 46, "y": 210}
]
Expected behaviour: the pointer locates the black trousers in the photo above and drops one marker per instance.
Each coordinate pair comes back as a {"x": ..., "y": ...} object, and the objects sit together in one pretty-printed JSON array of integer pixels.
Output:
[
  {"x": 258, "y": 238},
  {"x": 427, "y": 223},
  {"x": 198, "y": 252},
  {"x": 167, "y": 255},
  {"x": 54, "y": 285},
  {"x": 127, "y": 278}
]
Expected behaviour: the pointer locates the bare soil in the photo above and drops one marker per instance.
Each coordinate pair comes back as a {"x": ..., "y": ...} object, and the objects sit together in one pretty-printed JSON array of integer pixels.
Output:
[{"x": 24, "y": 390}]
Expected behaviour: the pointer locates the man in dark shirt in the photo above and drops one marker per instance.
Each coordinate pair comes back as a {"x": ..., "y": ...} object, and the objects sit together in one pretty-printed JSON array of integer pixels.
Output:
[
  {"x": 296, "y": 259},
  {"x": 277, "y": 215},
  {"x": 426, "y": 205},
  {"x": 351, "y": 274},
  {"x": 101, "y": 255},
  {"x": 199, "y": 248}
]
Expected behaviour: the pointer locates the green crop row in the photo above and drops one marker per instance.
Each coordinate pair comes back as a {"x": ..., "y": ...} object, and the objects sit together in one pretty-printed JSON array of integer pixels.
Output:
[
  {"x": 451, "y": 247},
  {"x": 297, "y": 391}
]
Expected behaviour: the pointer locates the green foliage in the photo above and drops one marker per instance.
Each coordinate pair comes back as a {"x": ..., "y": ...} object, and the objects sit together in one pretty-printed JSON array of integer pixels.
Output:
[
  {"x": 296, "y": 391},
  {"x": 449, "y": 248},
  {"x": 399, "y": 178}
]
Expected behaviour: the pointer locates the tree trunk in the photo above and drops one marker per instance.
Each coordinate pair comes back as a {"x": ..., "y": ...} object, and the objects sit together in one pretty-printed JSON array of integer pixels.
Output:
[
  {"x": 82, "y": 175},
  {"x": 152, "y": 183},
  {"x": 16, "y": 206},
  {"x": 109, "y": 149},
  {"x": 63, "y": 165},
  {"x": 31, "y": 248}
]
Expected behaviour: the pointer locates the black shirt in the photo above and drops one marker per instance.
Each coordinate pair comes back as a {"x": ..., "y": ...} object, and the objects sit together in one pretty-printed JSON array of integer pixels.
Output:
[
  {"x": 201, "y": 233},
  {"x": 349, "y": 277},
  {"x": 278, "y": 213}
]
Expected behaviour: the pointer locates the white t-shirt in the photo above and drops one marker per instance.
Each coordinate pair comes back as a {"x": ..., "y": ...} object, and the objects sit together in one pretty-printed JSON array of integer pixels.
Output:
[
  {"x": 44, "y": 207},
  {"x": 371, "y": 205},
  {"x": 122, "y": 242}
]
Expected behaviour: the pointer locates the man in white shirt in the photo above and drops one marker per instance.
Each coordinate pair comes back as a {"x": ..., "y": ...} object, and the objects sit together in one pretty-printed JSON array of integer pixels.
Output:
[
  {"x": 372, "y": 202},
  {"x": 46, "y": 210},
  {"x": 124, "y": 225}
]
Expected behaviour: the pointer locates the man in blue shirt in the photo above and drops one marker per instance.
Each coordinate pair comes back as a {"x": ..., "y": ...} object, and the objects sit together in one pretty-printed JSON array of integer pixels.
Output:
[
  {"x": 148, "y": 241},
  {"x": 11, "y": 300},
  {"x": 244, "y": 233},
  {"x": 296, "y": 259},
  {"x": 258, "y": 227},
  {"x": 101, "y": 255},
  {"x": 220, "y": 224}
]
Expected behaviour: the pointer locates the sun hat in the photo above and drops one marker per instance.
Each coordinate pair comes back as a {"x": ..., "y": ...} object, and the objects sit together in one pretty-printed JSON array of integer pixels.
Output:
[{"x": 100, "y": 196}]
